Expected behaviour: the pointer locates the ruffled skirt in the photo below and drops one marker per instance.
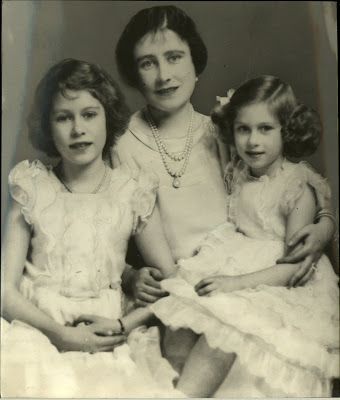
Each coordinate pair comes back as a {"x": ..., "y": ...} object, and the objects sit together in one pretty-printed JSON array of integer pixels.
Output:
[
  {"x": 287, "y": 340},
  {"x": 32, "y": 367}
]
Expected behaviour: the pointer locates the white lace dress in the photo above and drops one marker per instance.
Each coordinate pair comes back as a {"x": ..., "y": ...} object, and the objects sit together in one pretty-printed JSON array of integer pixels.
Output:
[
  {"x": 287, "y": 340},
  {"x": 74, "y": 267}
]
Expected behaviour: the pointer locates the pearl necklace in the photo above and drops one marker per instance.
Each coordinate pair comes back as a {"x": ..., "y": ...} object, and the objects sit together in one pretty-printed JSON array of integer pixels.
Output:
[
  {"x": 163, "y": 150},
  {"x": 95, "y": 190}
]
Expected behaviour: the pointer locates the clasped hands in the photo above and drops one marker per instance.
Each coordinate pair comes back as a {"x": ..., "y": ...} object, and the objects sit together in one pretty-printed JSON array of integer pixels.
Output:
[{"x": 91, "y": 334}]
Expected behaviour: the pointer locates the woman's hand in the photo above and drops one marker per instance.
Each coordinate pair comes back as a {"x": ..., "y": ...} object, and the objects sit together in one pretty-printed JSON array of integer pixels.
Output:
[
  {"x": 92, "y": 335},
  {"x": 218, "y": 283},
  {"x": 146, "y": 288},
  {"x": 308, "y": 244}
]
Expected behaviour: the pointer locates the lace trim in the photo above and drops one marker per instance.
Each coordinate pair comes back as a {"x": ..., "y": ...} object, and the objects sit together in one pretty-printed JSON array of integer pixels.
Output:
[{"x": 258, "y": 357}]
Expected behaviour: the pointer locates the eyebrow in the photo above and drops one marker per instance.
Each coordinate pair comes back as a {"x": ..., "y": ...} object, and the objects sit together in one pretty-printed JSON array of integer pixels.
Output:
[
  {"x": 261, "y": 123},
  {"x": 68, "y": 110},
  {"x": 167, "y": 53}
]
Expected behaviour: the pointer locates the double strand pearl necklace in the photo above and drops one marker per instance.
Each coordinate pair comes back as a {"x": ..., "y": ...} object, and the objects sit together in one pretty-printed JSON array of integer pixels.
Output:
[
  {"x": 95, "y": 190},
  {"x": 164, "y": 152}
]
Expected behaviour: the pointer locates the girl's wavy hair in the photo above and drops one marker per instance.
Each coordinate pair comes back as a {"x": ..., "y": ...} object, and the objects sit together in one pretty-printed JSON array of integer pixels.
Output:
[
  {"x": 71, "y": 74},
  {"x": 301, "y": 126},
  {"x": 152, "y": 20}
]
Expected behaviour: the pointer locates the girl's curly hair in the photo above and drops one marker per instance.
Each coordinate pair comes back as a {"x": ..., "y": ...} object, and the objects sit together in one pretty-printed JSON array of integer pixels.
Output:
[
  {"x": 71, "y": 74},
  {"x": 301, "y": 125}
]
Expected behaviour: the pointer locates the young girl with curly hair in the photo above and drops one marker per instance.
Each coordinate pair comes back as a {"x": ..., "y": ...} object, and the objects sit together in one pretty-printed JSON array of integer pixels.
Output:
[
  {"x": 232, "y": 291},
  {"x": 66, "y": 323}
]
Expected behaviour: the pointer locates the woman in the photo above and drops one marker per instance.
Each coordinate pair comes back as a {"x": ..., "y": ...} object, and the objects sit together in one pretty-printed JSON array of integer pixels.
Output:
[{"x": 161, "y": 54}]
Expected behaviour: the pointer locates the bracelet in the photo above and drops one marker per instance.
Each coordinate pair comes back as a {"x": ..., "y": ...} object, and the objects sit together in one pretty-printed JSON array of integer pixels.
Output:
[
  {"x": 330, "y": 216},
  {"x": 122, "y": 327}
]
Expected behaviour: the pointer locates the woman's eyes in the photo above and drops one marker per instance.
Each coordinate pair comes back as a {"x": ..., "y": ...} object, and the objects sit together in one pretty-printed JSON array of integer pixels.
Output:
[{"x": 174, "y": 58}]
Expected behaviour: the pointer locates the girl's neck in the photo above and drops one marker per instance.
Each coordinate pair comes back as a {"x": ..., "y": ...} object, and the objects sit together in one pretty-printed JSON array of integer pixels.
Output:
[
  {"x": 269, "y": 170},
  {"x": 82, "y": 178},
  {"x": 174, "y": 124}
]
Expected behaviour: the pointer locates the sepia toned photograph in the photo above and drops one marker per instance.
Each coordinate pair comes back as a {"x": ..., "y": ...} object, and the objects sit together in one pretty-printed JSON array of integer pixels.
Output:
[{"x": 169, "y": 199}]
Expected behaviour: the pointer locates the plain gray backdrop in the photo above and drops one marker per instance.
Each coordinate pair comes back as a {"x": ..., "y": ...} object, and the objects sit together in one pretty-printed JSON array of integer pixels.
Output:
[{"x": 293, "y": 40}]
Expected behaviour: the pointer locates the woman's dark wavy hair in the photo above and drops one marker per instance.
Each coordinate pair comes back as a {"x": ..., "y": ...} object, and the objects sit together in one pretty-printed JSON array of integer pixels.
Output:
[
  {"x": 301, "y": 126},
  {"x": 156, "y": 19},
  {"x": 71, "y": 74}
]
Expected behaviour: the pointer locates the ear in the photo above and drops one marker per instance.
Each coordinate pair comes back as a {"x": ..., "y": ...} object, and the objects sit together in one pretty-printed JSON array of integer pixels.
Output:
[{"x": 196, "y": 78}]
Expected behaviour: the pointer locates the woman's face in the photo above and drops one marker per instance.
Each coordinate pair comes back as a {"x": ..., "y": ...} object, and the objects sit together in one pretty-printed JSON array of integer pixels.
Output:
[{"x": 165, "y": 69}]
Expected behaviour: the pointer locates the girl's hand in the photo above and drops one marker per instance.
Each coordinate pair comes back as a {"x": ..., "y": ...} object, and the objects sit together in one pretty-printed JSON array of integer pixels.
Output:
[
  {"x": 88, "y": 338},
  {"x": 101, "y": 325},
  {"x": 218, "y": 283},
  {"x": 146, "y": 287}
]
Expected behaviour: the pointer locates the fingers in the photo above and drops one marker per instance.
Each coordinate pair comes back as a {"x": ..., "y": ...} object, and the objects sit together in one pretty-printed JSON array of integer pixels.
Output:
[
  {"x": 206, "y": 289},
  {"x": 295, "y": 256},
  {"x": 146, "y": 298},
  {"x": 298, "y": 236},
  {"x": 110, "y": 340},
  {"x": 155, "y": 273},
  {"x": 85, "y": 318},
  {"x": 305, "y": 278},
  {"x": 204, "y": 282},
  {"x": 152, "y": 291},
  {"x": 303, "y": 273},
  {"x": 150, "y": 281}
]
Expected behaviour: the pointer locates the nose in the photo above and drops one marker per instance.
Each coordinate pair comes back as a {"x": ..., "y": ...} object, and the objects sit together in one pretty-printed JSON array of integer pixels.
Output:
[
  {"x": 164, "y": 73},
  {"x": 253, "y": 138},
  {"x": 77, "y": 128}
]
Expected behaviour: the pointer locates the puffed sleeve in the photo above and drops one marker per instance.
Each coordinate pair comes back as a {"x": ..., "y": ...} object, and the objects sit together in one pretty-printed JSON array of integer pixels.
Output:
[
  {"x": 22, "y": 185},
  {"x": 143, "y": 198},
  {"x": 303, "y": 175}
]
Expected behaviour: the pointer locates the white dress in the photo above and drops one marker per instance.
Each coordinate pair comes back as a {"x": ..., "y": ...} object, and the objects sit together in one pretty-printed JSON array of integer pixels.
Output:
[
  {"x": 74, "y": 267},
  {"x": 287, "y": 340}
]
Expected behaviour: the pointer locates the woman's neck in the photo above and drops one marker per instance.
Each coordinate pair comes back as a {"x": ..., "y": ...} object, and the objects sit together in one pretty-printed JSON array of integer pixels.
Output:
[{"x": 174, "y": 124}]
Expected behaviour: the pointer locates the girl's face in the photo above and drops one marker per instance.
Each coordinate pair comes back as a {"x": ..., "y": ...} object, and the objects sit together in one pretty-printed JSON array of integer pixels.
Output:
[
  {"x": 165, "y": 69},
  {"x": 78, "y": 126},
  {"x": 258, "y": 140}
]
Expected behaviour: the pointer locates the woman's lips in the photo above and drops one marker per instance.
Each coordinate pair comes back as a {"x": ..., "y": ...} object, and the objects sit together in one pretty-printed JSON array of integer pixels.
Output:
[
  {"x": 80, "y": 145},
  {"x": 167, "y": 91}
]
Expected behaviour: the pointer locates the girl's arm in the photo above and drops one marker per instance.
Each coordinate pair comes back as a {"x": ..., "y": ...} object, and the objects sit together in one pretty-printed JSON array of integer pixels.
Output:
[
  {"x": 16, "y": 306},
  {"x": 153, "y": 246},
  {"x": 277, "y": 275}
]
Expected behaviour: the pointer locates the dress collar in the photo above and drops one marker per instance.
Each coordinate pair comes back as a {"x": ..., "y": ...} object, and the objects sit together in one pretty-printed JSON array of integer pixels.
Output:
[{"x": 140, "y": 129}]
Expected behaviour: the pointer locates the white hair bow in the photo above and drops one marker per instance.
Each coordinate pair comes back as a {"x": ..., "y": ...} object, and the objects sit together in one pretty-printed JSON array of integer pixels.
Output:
[{"x": 225, "y": 100}]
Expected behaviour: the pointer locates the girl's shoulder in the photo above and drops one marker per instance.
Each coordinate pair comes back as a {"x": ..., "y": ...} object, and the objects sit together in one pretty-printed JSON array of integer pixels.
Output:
[
  {"x": 295, "y": 178},
  {"x": 32, "y": 183},
  {"x": 28, "y": 171}
]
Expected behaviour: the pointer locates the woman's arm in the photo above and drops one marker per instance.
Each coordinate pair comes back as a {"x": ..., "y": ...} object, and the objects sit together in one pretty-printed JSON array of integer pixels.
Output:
[
  {"x": 153, "y": 246},
  {"x": 277, "y": 275},
  {"x": 16, "y": 306}
]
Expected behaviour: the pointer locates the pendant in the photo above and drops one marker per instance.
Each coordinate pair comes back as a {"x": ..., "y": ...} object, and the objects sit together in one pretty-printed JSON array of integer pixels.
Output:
[{"x": 176, "y": 183}]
